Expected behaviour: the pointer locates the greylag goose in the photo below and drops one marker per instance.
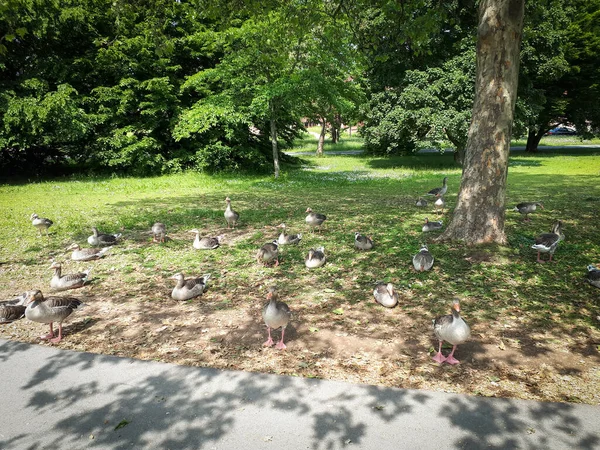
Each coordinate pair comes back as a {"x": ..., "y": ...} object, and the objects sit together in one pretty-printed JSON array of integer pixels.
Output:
[
  {"x": 13, "y": 309},
  {"x": 439, "y": 204},
  {"x": 287, "y": 239},
  {"x": 231, "y": 216},
  {"x": 268, "y": 252},
  {"x": 423, "y": 260},
  {"x": 314, "y": 219},
  {"x": 432, "y": 226},
  {"x": 275, "y": 314},
  {"x": 86, "y": 254},
  {"x": 385, "y": 295},
  {"x": 439, "y": 191},
  {"x": 70, "y": 281},
  {"x": 159, "y": 232},
  {"x": 41, "y": 223},
  {"x": 362, "y": 242},
  {"x": 421, "y": 202},
  {"x": 547, "y": 242},
  {"x": 205, "y": 243},
  {"x": 593, "y": 276},
  {"x": 98, "y": 239},
  {"x": 190, "y": 288},
  {"x": 49, "y": 310},
  {"x": 527, "y": 208},
  {"x": 453, "y": 329},
  {"x": 315, "y": 258}
]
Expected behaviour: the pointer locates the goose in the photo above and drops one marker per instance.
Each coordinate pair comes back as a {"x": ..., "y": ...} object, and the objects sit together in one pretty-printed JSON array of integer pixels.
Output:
[
  {"x": 206, "y": 243},
  {"x": 315, "y": 258},
  {"x": 547, "y": 242},
  {"x": 41, "y": 223},
  {"x": 49, "y": 310},
  {"x": 527, "y": 208},
  {"x": 439, "y": 191},
  {"x": 385, "y": 295},
  {"x": 362, "y": 242},
  {"x": 440, "y": 204},
  {"x": 275, "y": 314},
  {"x": 70, "y": 281},
  {"x": 159, "y": 231},
  {"x": 453, "y": 329},
  {"x": 98, "y": 239},
  {"x": 432, "y": 226},
  {"x": 268, "y": 253},
  {"x": 593, "y": 276},
  {"x": 231, "y": 216},
  {"x": 423, "y": 260},
  {"x": 286, "y": 239},
  {"x": 13, "y": 309},
  {"x": 314, "y": 219},
  {"x": 190, "y": 288},
  {"x": 86, "y": 254},
  {"x": 421, "y": 202}
]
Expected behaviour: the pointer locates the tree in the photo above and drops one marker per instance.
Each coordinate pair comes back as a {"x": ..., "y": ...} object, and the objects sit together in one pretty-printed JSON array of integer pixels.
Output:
[{"x": 480, "y": 210}]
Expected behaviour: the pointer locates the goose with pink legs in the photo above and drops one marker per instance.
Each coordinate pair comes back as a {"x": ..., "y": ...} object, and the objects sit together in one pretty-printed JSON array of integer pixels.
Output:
[
  {"x": 453, "y": 329},
  {"x": 275, "y": 314}
]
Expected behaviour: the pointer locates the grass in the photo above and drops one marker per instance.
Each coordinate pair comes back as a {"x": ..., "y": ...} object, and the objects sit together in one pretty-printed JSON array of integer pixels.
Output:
[{"x": 532, "y": 324}]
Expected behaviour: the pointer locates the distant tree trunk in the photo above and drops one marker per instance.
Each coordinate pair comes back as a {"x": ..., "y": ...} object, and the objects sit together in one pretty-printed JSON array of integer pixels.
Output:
[
  {"x": 459, "y": 148},
  {"x": 274, "y": 140},
  {"x": 322, "y": 137},
  {"x": 533, "y": 140},
  {"x": 335, "y": 128},
  {"x": 480, "y": 212}
]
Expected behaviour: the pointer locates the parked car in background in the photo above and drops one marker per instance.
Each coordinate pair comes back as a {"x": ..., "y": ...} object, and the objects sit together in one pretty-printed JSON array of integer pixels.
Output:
[{"x": 562, "y": 130}]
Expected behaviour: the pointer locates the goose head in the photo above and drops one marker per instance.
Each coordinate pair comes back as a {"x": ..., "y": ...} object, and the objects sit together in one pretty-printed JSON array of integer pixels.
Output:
[
  {"x": 32, "y": 296},
  {"x": 74, "y": 246}
]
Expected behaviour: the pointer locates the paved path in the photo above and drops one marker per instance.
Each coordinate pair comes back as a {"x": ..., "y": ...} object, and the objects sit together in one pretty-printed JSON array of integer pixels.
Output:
[{"x": 57, "y": 399}]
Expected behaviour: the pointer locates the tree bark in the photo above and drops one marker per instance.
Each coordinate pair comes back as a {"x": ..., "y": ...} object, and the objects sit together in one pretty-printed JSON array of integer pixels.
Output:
[
  {"x": 274, "y": 140},
  {"x": 533, "y": 140},
  {"x": 321, "y": 143},
  {"x": 480, "y": 210}
]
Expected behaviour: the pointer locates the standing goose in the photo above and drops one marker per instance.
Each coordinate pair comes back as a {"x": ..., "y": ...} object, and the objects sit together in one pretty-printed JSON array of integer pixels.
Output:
[
  {"x": 190, "y": 288},
  {"x": 593, "y": 276},
  {"x": 423, "y": 260},
  {"x": 385, "y": 295},
  {"x": 98, "y": 239},
  {"x": 362, "y": 242},
  {"x": 231, "y": 216},
  {"x": 49, "y": 310},
  {"x": 69, "y": 281},
  {"x": 275, "y": 314},
  {"x": 314, "y": 219},
  {"x": 86, "y": 254},
  {"x": 205, "y": 243},
  {"x": 439, "y": 204},
  {"x": 547, "y": 242},
  {"x": 432, "y": 226},
  {"x": 41, "y": 223},
  {"x": 453, "y": 329},
  {"x": 286, "y": 239},
  {"x": 315, "y": 258},
  {"x": 527, "y": 208},
  {"x": 421, "y": 202},
  {"x": 13, "y": 309},
  {"x": 159, "y": 232},
  {"x": 440, "y": 191},
  {"x": 268, "y": 253}
]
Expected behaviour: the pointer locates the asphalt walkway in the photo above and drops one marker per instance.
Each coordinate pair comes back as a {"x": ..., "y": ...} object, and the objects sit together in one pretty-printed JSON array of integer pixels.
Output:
[{"x": 57, "y": 399}]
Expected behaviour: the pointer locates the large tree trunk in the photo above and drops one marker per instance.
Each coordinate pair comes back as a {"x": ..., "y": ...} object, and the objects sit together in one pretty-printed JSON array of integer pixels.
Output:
[
  {"x": 533, "y": 140},
  {"x": 321, "y": 143},
  {"x": 274, "y": 140},
  {"x": 479, "y": 214}
]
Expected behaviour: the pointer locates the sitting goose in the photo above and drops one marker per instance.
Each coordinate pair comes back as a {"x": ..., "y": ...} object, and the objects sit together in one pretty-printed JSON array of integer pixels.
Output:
[
  {"x": 362, "y": 242},
  {"x": 69, "y": 281},
  {"x": 40, "y": 223},
  {"x": 86, "y": 254},
  {"x": 190, "y": 288},
  {"x": 527, "y": 208},
  {"x": 423, "y": 260},
  {"x": 440, "y": 191},
  {"x": 98, "y": 239},
  {"x": 432, "y": 226},
  {"x": 286, "y": 239},
  {"x": 205, "y": 243},
  {"x": 268, "y": 253},
  {"x": 593, "y": 276},
  {"x": 547, "y": 242},
  {"x": 13, "y": 309},
  {"x": 49, "y": 310},
  {"x": 275, "y": 314},
  {"x": 453, "y": 329},
  {"x": 385, "y": 295},
  {"x": 421, "y": 202},
  {"x": 315, "y": 258},
  {"x": 314, "y": 219},
  {"x": 159, "y": 232},
  {"x": 231, "y": 216},
  {"x": 439, "y": 204}
]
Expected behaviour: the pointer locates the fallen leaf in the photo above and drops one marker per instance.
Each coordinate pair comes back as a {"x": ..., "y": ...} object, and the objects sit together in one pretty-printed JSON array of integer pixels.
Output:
[
  {"x": 313, "y": 329},
  {"x": 338, "y": 311},
  {"x": 122, "y": 423}
]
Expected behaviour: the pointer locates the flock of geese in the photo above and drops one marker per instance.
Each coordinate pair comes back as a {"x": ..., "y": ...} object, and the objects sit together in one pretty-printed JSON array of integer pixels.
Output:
[{"x": 276, "y": 314}]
